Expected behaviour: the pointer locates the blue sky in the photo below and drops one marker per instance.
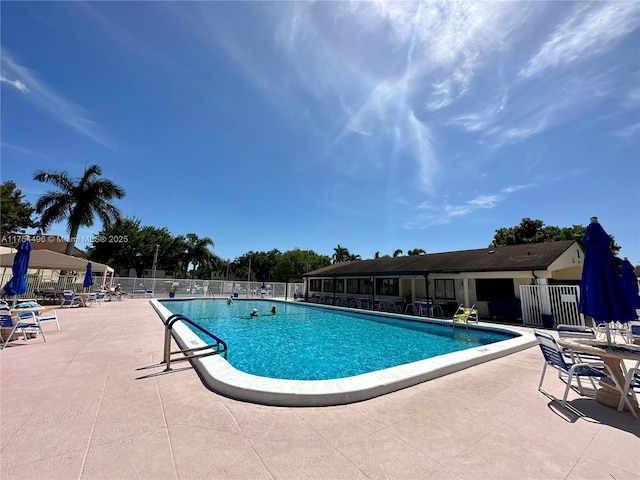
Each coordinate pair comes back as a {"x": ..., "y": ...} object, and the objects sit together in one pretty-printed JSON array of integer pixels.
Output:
[{"x": 375, "y": 126}]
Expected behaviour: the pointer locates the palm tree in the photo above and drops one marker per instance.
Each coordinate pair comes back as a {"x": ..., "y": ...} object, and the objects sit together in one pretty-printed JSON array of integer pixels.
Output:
[
  {"x": 78, "y": 201},
  {"x": 197, "y": 252},
  {"x": 397, "y": 253},
  {"x": 342, "y": 254}
]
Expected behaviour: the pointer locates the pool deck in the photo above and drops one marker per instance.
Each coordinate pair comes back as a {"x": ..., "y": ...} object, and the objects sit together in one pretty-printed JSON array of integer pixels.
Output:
[{"x": 78, "y": 407}]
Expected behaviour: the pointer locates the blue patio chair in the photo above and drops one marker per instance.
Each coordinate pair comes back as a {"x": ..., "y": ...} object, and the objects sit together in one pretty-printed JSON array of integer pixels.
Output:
[
  {"x": 6, "y": 322},
  {"x": 69, "y": 299},
  {"x": 396, "y": 305},
  {"x": 26, "y": 322},
  {"x": 554, "y": 357},
  {"x": 48, "y": 317},
  {"x": 578, "y": 332}
]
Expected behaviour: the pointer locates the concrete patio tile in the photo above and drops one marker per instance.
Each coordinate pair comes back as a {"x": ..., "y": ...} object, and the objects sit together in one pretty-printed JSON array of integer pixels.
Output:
[
  {"x": 385, "y": 456},
  {"x": 533, "y": 448},
  {"x": 124, "y": 417},
  {"x": 434, "y": 436},
  {"x": 214, "y": 454},
  {"x": 617, "y": 448},
  {"x": 340, "y": 426},
  {"x": 38, "y": 441},
  {"x": 288, "y": 455},
  {"x": 588, "y": 469},
  {"x": 482, "y": 462},
  {"x": 259, "y": 421},
  {"x": 60, "y": 466},
  {"x": 147, "y": 455},
  {"x": 80, "y": 407}
]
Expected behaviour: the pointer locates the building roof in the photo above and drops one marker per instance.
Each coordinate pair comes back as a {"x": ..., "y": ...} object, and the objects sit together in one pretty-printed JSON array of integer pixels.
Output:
[
  {"x": 53, "y": 243},
  {"x": 48, "y": 260},
  {"x": 531, "y": 256}
]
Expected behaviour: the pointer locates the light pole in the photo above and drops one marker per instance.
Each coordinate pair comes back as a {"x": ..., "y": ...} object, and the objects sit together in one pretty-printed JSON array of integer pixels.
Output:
[
  {"x": 153, "y": 270},
  {"x": 249, "y": 274}
]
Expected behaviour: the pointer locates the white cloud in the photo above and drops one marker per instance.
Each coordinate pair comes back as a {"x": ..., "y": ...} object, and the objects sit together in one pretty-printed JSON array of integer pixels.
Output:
[
  {"x": 630, "y": 131},
  {"x": 516, "y": 188},
  {"x": 14, "y": 83},
  {"x": 46, "y": 98},
  {"x": 584, "y": 35}
]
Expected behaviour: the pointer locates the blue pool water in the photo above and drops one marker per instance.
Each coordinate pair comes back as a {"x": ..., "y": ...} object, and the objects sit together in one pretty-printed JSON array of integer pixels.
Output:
[{"x": 302, "y": 342}]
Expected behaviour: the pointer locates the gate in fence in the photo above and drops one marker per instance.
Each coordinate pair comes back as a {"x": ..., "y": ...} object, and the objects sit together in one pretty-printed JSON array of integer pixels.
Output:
[{"x": 558, "y": 301}]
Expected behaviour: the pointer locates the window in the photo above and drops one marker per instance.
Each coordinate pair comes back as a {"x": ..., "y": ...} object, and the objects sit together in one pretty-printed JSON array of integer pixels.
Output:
[
  {"x": 494, "y": 288},
  {"x": 340, "y": 285},
  {"x": 388, "y": 286},
  {"x": 327, "y": 285},
  {"x": 362, "y": 286},
  {"x": 445, "y": 289},
  {"x": 315, "y": 285}
]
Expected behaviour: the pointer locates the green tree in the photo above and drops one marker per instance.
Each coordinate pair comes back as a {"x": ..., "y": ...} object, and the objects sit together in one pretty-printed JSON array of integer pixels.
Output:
[
  {"x": 342, "y": 254},
  {"x": 535, "y": 231},
  {"x": 197, "y": 253},
  {"x": 416, "y": 251},
  {"x": 15, "y": 211},
  {"x": 126, "y": 244},
  {"x": 397, "y": 253},
  {"x": 78, "y": 202},
  {"x": 293, "y": 264},
  {"x": 529, "y": 231}
]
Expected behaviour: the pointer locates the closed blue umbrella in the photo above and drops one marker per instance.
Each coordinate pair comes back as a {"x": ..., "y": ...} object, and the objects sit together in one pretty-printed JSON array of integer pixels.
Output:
[
  {"x": 602, "y": 296},
  {"x": 264, "y": 285},
  {"x": 18, "y": 284},
  {"x": 630, "y": 283},
  {"x": 88, "y": 276}
]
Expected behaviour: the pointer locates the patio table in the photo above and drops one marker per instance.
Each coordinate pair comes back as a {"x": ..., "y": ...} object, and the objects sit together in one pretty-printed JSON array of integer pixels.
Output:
[
  {"x": 613, "y": 356},
  {"x": 83, "y": 297}
]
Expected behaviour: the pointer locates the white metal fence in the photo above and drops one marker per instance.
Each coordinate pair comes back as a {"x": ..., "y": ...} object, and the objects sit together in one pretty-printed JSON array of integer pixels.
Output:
[
  {"x": 559, "y": 301},
  {"x": 156, "y": 287}
]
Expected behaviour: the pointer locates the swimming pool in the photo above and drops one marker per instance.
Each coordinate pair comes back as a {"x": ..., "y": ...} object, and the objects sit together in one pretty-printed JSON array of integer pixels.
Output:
[
  {"x": 303, "y": 343},
  {"x": 300, "y": 356}
]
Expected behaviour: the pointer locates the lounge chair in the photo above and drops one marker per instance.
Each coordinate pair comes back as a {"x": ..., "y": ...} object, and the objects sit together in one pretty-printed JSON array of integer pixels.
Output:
[
  {"x": 555, "y": 358},
  {"x": 96, "y": 299},
  {"x": 69, "y": 299}
]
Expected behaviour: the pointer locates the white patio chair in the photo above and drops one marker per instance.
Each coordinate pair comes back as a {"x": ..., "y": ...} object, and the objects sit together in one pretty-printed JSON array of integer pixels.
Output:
[
  {"x": 48, "y": 317},
  {"x": 27, "y": 323},
  {"x": 554, "y": 357},
  {"x": 631, "y": 385}
]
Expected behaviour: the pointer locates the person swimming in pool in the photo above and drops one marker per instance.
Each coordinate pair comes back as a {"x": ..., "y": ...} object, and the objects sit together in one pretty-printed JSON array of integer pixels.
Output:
[
  {"x": 274, "y": 310},
  {"x": 254, "y": 313},
  {"x": 229, "y": 300}
]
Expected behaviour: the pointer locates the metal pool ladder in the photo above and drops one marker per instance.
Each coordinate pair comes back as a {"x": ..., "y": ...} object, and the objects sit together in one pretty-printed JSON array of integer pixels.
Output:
[{"x": 218, "y": 347}]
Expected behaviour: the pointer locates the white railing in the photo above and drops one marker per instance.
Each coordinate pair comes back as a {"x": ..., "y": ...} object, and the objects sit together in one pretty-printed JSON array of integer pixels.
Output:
[
  {"x": 156, "y": 287},
  {"x": 559, "y": 301}
]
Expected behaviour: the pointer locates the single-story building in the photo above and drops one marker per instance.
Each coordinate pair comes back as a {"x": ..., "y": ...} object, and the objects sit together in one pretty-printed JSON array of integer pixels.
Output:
[{"x": 490, "y": 278}]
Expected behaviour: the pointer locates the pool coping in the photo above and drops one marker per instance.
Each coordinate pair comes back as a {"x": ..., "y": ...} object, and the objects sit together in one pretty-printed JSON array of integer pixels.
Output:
[{"x": 221, "y": 377}]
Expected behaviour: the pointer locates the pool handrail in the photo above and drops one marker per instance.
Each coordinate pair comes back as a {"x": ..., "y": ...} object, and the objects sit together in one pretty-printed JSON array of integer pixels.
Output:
[{"x": 217, "y": 348}]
